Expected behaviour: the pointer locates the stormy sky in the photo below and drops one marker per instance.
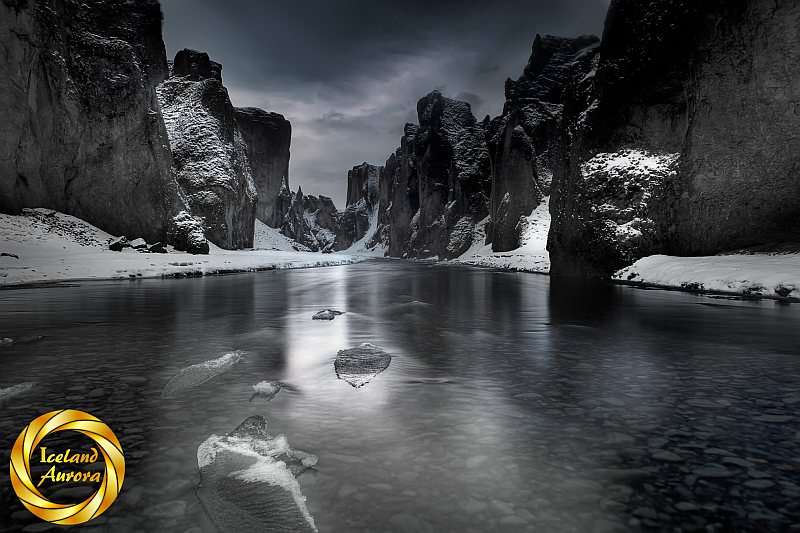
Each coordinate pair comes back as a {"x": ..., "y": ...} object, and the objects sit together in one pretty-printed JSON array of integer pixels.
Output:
[{"x": 348, "y": 73}]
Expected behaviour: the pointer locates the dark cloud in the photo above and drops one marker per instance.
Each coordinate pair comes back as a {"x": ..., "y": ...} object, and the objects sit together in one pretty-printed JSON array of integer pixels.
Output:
[{"x": 348, "y": 73}]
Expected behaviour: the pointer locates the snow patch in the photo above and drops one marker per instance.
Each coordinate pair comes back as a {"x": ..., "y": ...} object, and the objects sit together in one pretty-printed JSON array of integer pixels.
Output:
[
  {"x": 531, "y": 256},
  {"x": 745, "y": 274}
]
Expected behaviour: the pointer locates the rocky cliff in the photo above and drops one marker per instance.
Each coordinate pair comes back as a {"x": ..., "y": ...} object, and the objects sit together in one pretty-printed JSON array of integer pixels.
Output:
[
  {"x": 311, "y": 221},
  {"x": 81, "y": 128},
  {"x": 362, "y": 203},
  {"x": 685, "y": 138},
  {"x": 522, "y": 140},
  {"x": 435, "y": 188},
  {"x": 268, "y": 138},
  {"x": 210, "y": 156}
]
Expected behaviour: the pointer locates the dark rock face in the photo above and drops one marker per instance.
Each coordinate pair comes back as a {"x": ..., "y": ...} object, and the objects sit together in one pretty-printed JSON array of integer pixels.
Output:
[
  {"x": 522, "y": 140},
  {"x": 685, "y": 148},
  {"x": 196, "y": 66},
  {"x": 362, "y": 201},
  {"x": 437, "y": 183},
  {"x": 311, "y": 221},
  {"x": 362, "y": 184},
  {"x": 209, "y": 154},
  {"x": 81, "y": 129},
  {"x": 268, "y": 138}
]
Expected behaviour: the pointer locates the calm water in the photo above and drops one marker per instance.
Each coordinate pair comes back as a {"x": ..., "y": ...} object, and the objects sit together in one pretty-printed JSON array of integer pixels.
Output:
[{"x": 513, "y": 402}]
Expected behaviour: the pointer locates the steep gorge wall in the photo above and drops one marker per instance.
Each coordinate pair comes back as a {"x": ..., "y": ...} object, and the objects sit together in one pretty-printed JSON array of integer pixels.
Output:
[
  {"x": 268, "y": 137},
  {"x": 685, "y": 141},
  {"x": 209, "y": 152},
  {"x": 435, "y": 188},
  {"x": 522, "y": 139},
  {"x": 81, "y": 131}
]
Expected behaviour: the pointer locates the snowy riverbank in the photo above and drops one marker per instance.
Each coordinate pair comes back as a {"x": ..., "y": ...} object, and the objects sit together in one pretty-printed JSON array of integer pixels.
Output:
[
  {"x": 531, "y": 256},
  {"x": 767, "y": 275},
  {"x": 46, "y": 246}
]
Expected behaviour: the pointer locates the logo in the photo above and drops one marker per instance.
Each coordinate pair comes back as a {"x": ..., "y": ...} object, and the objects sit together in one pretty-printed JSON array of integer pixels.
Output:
[{"x": 61, "y": 467}]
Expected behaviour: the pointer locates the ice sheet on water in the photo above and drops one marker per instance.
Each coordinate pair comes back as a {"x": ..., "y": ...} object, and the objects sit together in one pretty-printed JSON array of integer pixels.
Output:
[
  {"x": 265, "y": 391},
  {"x": 327, "y": 314},
  {"x": 248, "y": 480},
  {"x": 359, "y": 365},
  {"x": 14, "y": 390},
  {"x": 195, "y": 375}
]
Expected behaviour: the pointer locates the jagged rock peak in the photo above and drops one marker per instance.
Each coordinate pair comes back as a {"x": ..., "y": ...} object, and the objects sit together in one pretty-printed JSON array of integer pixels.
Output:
[{"x": 196, "y": 66}]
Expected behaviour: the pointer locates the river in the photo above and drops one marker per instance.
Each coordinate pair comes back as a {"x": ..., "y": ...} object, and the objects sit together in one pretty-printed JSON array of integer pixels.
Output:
[{"x": 513, "y": 402}]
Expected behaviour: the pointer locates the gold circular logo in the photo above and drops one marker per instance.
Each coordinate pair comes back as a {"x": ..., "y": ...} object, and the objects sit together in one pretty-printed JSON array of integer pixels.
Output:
[{"x": 23, "y": 450}]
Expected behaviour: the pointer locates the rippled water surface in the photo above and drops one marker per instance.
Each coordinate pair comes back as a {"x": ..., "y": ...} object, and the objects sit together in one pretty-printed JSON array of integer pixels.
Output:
[{"x": 513, "y": 402}]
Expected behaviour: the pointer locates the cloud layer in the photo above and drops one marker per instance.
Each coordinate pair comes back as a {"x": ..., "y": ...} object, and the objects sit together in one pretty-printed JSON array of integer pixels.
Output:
[{"x": 348, "y": 73}]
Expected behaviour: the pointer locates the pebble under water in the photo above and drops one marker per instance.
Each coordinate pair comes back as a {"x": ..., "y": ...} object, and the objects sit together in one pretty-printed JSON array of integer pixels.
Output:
[{"x": 513, "y": 402}]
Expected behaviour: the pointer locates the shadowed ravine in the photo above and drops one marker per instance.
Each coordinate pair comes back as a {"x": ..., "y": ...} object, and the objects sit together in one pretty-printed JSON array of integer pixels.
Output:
[{"x": 513, "y": 402}]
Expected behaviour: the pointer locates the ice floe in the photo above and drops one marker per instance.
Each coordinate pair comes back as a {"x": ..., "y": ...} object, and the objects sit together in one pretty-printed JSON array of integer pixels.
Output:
[
  {"x": 248, "y": 480},
  {"x": 196, "y": 375},
  {"x": 327, "y": 314},
  {"x": 15, "y": 390},
  {"x": 359, "y": 365}
]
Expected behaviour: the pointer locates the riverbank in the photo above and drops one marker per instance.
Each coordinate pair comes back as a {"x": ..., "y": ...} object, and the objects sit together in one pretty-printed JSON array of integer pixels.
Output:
[
  {"x": 752, "y": 275},
  {"x": 44, "y": 246}
]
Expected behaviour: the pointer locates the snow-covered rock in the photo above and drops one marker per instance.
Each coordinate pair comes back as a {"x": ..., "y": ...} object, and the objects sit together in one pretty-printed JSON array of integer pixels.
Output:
[{"x": 208, "y": 152}]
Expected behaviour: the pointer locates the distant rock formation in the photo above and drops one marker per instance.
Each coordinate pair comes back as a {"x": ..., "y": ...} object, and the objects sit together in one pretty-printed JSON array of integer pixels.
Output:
[
  {"x": 362, "y": 203},
  {"x": 435, "y": 188},
  {"x": 268, "y": 137},
  {"x": 522, "y": 140},
  {"x": 81, "y": 129},
  {"x": 685, "y": 140},
  {"x": 311, "y": 221},
  {"x": 210, "y": 157}
]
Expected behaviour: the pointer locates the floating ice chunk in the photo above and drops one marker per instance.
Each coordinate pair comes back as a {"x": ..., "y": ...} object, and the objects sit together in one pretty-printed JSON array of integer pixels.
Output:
[
  {"x": 8, "y": 341},
  {"x": 327, "y": 314},
  {"x": 359, "y": 365},
  {"x": 195, "y": 375},
  {"x": 15, "y": 390},
  {"x": 247, "y": 480},
  {"x": 265, "y": 391}
]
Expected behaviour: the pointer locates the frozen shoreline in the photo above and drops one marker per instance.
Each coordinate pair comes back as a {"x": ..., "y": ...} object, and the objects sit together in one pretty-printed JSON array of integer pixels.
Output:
[
  {"x": 44, "y": 246},
  {"x": 747, "y": 275},
  {"x": 47, "y": 246}
]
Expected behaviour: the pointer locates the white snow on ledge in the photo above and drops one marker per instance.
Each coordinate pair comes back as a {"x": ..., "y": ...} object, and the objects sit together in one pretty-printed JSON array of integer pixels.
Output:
[
  {"x": 531, "y": 256},
  {"x": 59, "y": 247},
  {"x": 754, "y": 275}
]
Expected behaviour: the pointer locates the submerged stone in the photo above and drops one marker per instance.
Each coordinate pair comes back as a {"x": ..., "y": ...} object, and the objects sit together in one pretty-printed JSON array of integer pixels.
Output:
[
  {"x": 359, "y": 365},
  {"x": 327, "y": 314},
  {"x": 265, "y": 391}
]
